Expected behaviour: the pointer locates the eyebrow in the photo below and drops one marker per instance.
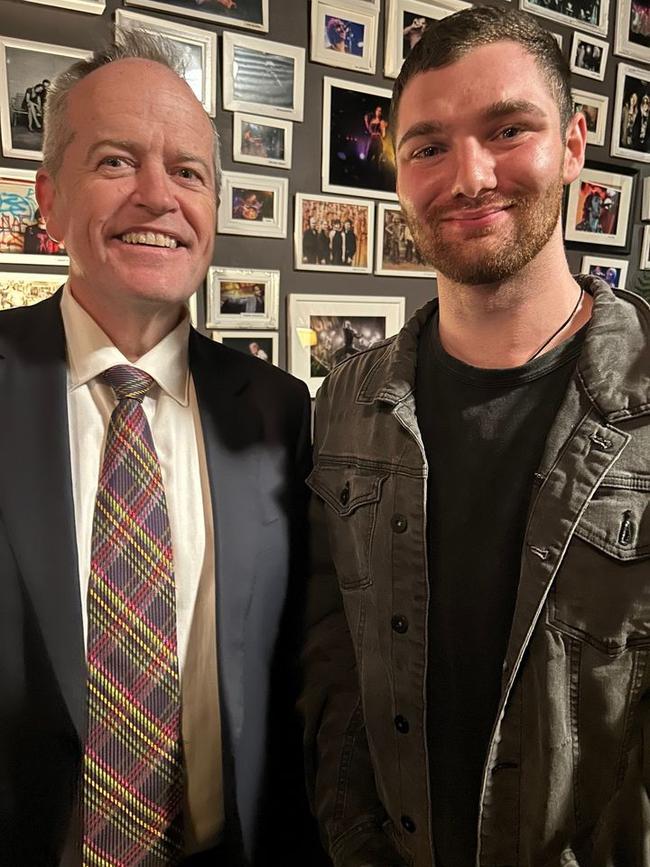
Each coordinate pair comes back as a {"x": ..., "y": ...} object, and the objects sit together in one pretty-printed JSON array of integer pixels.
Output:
[{"x": 127, "y": 145}]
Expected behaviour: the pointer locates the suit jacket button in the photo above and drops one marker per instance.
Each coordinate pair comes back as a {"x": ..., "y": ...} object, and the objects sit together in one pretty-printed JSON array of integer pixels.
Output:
[
  {"x": 399, "y": 523},
  {"x": 344, "y": 496},
  {"x": 399, "y": 623},
  {"x": 402, "y": 724},
  {"x": 408, "y": 824}
]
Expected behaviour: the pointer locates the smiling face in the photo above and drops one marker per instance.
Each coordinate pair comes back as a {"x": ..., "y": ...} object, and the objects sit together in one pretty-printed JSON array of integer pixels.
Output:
[
  {"x": 480, "y": 170},
  {"x": 134, "y": 200}
]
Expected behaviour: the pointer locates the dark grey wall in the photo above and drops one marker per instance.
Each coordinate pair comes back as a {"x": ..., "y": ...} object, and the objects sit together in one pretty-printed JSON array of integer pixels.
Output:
[{"x": 289, "y": 22}]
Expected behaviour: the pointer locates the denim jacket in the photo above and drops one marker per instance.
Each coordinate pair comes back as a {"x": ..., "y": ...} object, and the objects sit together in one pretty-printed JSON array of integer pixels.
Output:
[{"x": 567, "y": 774}]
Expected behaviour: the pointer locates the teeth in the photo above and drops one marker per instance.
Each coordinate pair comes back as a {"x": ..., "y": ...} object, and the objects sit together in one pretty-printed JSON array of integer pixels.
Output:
[{"x": 151, "y": 239}]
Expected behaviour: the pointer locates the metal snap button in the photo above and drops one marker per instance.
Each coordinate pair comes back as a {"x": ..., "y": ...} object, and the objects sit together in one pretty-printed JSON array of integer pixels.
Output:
[
  {"x": 402, "y": 724},
  {"x": 408, "y": 824},
  {"x": 399, "y": 623},
  {"x": 399, "y": 523}
]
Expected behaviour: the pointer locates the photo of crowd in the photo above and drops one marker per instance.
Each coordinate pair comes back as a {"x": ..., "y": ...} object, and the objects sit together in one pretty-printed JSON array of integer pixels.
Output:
[
  {"x": 332, "y": 235},
  {"x": 338, "y": 339},
  {"x": 597, "y": 209}
]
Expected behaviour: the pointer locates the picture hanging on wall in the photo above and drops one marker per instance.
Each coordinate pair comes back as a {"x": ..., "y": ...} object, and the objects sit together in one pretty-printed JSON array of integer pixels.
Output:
[
  {"x": 19, "y": 289},
  {"x": 263, "y": 77},
  {"x": 343, "y": 36},
  {"x": 594, "y": 107},
  {"x": 589, "y": 56},
  {"x": 358, "y": 154},
  {"x": 598, "y": 207},
  {"x": 645, "y": 199},
  {"x": 26, "y": 71},
  {"x": 644, "y": 264},
  {"x": 242, "y": 298},
  {"x": 631, "y": 122},
  {"x": 333, "y": 234},
  {"x": 253, "y": 205},
  {"x": 396, "y": 252},
  {"x": 251, "y": 14},
  {"x": 262, "y": 141},
  {"x": 197, "y": 48},
  {"x": 23, "y": 236},
  {"x": 613, "y": 271},
  {"x": 591, "y": 15},
  {"x": 260, "y": 344},
  {"x": 95, "y": 7},
  {"x": 406, "y": 21},
  {"x": 633, "y": 30},
  {"x": 326, "y": 329}
]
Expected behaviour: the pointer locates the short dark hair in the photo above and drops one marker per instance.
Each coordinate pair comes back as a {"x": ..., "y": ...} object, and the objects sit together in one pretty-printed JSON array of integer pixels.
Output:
[{"x": 451, "y": 38}]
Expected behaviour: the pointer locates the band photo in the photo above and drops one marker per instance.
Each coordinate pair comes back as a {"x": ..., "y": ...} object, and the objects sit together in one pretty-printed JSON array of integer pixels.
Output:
[
  {"x": 343, "y": 37},
  {"x": 598, "y": 208},
  {"x": 406, "y": 21},
  {"x": 397, "y": 255},
  {"x": 332, "y": 234},
  {"x": 253, "y": 205},
  {"x": 633, "y": 30},
  {"x": 589, "y": 56},
  {"x": 631, "y": 122},
  {"x": 592, "y": 15},
  {"x": 594, "y": 107},
  {"x": 250, "y": 14},
  {"x": 239, "y": 298},
  {"x": 260, "y": 344},
  {"x": 262, "y": 140},
  {"x": 19, "y": 289},
  {"x": 23, "y": 235},
  {"x": 612, "y": 271}
]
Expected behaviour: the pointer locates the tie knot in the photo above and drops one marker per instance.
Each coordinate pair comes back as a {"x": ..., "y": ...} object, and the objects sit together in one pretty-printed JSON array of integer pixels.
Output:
[{"x": 127, "y": 381}]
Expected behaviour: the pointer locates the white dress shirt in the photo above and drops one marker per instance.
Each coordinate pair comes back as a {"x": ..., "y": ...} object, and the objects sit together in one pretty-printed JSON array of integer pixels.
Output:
[{"x": 172, "y": 411}]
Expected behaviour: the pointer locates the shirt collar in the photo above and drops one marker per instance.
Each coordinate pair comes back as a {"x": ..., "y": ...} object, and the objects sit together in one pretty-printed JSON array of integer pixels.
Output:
[{"x": 90, "y": 352}]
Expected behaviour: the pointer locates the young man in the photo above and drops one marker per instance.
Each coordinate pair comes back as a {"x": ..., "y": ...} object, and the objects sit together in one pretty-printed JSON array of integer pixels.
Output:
[
  {"x": 478, "y": 659},
  {"x": 151, "y": 512}
]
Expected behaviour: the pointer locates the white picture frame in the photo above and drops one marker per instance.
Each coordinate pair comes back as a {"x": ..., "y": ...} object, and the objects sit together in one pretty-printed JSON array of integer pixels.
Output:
[
  {"x": 255, "y": 137},
  {"x": 589, "y": 56},
  {"x": 592, "y": 184},
  {"x": 587, "y": 102},
  {"x": 19, "y": 214},
  {"x": 241, "y": 341},
  {"x": 356, "y": 33},
  {"x": 94, "y": 7},
  {"x": 624, "y": 45},
  {"x": 313, "y": 352},
  {"x": 263, "y": 77},
  {"x": 262, "y": 215},
  {"x": 32, "y": 63},
  {"x": 645, "y": 199},
  {"x": 403, "y": 14},
  {"x": 22, "y": 288},
  {"x": 628, "y": 141},
  {"x": 597, "y": 22},
  {"x": 594, "y": 264},
  {"x": 395, "y": 252},
  {"x": 644, "y": 264},
  {"x": 214, "y": 12},
  {"x": 197, "y": 46},
  {"x": 328, "y": 253},
  {"x": 242, "y": 298}
]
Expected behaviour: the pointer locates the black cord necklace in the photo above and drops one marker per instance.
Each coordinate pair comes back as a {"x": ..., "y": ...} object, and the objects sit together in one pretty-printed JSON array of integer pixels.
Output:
[{"x": 561, "y": 328}]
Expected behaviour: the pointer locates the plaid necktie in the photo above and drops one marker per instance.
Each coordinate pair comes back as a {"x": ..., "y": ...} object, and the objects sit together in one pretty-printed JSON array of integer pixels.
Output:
[{"x": 133, "y": 785}]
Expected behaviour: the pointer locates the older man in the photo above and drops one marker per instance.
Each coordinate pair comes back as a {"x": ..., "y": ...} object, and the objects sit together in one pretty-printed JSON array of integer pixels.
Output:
[{"x": 151, "y": 512}]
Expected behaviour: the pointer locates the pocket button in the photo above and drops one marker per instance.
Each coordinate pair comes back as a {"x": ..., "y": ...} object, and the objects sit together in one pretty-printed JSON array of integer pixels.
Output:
[{"x": 399, "y": 523}]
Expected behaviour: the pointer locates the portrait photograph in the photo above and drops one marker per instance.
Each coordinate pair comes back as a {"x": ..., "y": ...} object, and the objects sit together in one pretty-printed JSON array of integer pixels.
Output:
[
  {"x": 598, "y": 207},
  {"x": 631, "y": 122},
  {"x": 324, "y": 330},
  {"x": 253, "y": 205},
  {"x": 397, "y": 255},
  {"x": 358, "y": 154},
  {"x": 26, "y": 71},
  {"x": 342, "y": 36},
  {"x": 95, "y": 7},
  {"x": 263, "y": 77},
  {"x": 196, "y": 47},
  {"x": 594, "y": 107},
  {"x": 633, "y": 30},
  {"x": 251, "y": 14},
  {"x": 23, "y": 236},
  {"x": 589, "y": 56},
  {"x": 333, "y": 234},
  {"x": 612, "y": 271},
  {"x": 262, "y": 140},
  {"x": 591, "y": 15},
  {"x": 261, "y": 344},
  {"x": 242, "y": 298},
  {"x": 406, "y": 21},
  {"x": 19, "y": 289}
]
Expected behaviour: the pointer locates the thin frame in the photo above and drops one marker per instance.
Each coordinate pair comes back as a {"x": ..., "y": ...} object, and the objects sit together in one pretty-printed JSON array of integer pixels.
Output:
[
  {"x": 94, "y": 7},
  {"x": 644, "y": 264},
  {"x": 51, "y": 259},
  {"x": 322, "y": 53},
  {"x": 228, "y": 224},
  {"x": 298, "y": 232},
  {"x": 232, "y": 41},
  {"x": 185, "y": 35},
  {"x": 616, "y": 149},
  {"x": 302, "y": 307},
  {"x": 570, "y": 20},
  {"x": 62, "y": 51},
  {"x": 394, "y": 53},
  {"x": 593, "y": 100},
  {"x": 273, "y": 336},
  {"x": 219, "y": 321},
  {"x": 56, "y": 281},
  {"x": 645, "y": 199},
  {"x": 622, "y": 45},
  {"x": 583, "y": 239},
  {"x": 174, "y": 8},
  {"x": 379, "y": 249},
  {"x": 237, "y": 136},
  {"x": 599, "y": 261},
  {"x": 596, "y": 43}
]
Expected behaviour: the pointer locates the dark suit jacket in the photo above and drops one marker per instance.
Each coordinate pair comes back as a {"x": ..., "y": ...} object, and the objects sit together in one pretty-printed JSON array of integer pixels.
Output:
[{"x": 255, "y": 421}]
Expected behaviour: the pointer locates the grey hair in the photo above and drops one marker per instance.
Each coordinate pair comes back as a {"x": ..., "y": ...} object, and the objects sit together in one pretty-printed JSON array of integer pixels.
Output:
[{"x": 129, "y": 44}]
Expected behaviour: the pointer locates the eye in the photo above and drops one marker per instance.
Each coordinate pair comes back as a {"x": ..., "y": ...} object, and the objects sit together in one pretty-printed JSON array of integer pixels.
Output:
[
  {"x": 427, "y": 151},
  {"x": 188, "y": 174},
  {"x": 113, "y": 162},
  {"x": 510, "y": 132}
]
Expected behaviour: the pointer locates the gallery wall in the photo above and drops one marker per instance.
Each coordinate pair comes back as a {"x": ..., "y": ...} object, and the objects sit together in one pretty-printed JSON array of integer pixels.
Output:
[{"x": 289, "y": 23}]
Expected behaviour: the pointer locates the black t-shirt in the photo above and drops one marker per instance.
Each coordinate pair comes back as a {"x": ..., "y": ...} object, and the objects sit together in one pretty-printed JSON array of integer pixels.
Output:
[{"x": 484, "y": 434}]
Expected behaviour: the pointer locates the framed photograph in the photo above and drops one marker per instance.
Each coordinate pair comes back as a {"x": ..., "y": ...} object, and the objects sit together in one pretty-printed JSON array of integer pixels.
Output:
[
  {"x": 594, "y": 106},
  {"x": 558, "y": 38},
  {"x": 589, "y": 56},
  {"x": 591, "y": 15},
  {"x": 633, "y": 30},
  {"x": 96, "y": 7},
  {"x": 26, "y": 70},
  {"x": 326, "y": 329},
  {"x": 613, "y": 271},
  {"x": 645, "y": 200},
  {"x": 396, "y": 253},
  {"x": 261, "y": 344},
  {"x": 332, "y": 234},
  {"x": 251, "y": 14},
  {"x": 263, "y": 77},
  {"x": 197, "y": 47},
  {"x": 406, "y": 21},
  {"x": 262, "y": 141},
  {"x": 598, "y": 207},
  {"x": 253, "y": 205},
  {"x": 23, "y": 236},
  {"x": 342, "y": 36},
  {"x": 644, "y": 265},
  {"x": 242, "y": 298},
  {"x": 18, "y": 289},
  {"x": 358, "y": 154},
  {"x": 631, "y": 123}
]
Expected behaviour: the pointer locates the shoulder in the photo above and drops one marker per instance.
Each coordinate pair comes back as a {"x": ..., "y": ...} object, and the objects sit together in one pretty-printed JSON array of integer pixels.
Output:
[{"x": 344, "y": 382}]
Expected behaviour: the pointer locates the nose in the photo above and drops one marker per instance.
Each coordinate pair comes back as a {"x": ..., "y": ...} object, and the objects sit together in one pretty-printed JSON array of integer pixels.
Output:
[
  {"x": 474, "y": 170},
  {"x": 154, "y": 189}
]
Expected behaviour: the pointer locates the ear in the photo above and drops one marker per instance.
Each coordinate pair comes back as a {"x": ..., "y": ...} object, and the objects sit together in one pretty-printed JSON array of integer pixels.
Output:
[
  {"x": 574, "y": 149},
  {"x": 46, "y": 196}
]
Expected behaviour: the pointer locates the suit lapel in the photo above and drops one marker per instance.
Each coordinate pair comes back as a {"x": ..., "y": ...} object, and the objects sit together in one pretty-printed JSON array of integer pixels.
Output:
[{"x": 36, "y": 489}]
